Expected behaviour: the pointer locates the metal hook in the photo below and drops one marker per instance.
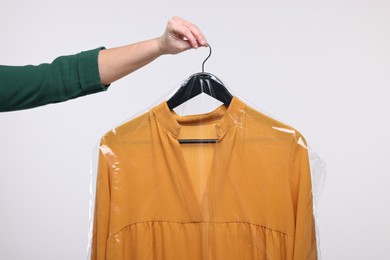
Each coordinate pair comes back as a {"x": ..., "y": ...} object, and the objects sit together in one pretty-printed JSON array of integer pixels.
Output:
[{"x": 206, "y": 58}]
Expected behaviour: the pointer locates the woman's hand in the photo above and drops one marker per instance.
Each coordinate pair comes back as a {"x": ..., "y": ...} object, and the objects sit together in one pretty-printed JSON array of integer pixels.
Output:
[{"x": 180, "y": 35}]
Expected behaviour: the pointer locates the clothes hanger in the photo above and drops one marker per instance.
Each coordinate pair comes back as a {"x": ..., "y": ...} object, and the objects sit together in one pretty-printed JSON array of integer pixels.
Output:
[{"x": 196, "y": 84}]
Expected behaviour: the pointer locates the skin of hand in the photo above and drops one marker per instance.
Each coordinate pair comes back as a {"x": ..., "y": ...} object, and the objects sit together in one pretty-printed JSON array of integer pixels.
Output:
[{"x": 180, "y": 35}]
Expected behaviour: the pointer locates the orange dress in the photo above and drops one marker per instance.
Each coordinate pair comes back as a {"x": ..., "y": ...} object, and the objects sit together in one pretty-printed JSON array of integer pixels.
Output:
[{"x": 248, "y": 196}]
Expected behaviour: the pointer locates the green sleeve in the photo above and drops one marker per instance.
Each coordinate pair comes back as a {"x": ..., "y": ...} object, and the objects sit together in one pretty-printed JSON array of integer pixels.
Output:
[{"x": 67, "y": 77}]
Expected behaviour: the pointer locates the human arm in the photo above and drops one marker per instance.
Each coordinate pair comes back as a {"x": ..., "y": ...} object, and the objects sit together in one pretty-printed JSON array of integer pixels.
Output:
[
  {"x": 179, "y": 35},
  {"x": 72, "y": 76},
  {"x": 67, "y": 77}
]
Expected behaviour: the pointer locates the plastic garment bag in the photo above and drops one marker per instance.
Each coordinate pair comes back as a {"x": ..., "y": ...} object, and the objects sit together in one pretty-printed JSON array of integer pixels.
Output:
[{"x": 248, "y": 194}]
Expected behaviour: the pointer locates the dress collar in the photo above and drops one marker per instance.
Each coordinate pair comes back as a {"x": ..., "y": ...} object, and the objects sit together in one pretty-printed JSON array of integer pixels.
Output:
[{"x": 225, "y": 117}]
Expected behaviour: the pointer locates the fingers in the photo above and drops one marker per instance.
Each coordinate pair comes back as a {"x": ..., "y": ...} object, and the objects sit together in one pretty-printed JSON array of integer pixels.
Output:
[
  {"x": 185, "y": 30},
  {"x": 197, "y": 33},
  {"x": 181, "y": 35}
]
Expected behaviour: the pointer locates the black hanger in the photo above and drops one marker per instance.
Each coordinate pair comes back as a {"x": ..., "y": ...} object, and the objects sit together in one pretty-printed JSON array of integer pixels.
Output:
[{"x": 196, "y": 84}]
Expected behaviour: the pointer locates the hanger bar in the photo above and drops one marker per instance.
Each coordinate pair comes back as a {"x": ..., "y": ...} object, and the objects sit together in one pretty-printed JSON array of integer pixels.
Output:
[{"x": 198, "y": 141}]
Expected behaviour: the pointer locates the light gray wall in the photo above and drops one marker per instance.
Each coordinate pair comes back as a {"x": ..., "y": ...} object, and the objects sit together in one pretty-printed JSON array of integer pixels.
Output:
[{"x": 320, "y": 66}]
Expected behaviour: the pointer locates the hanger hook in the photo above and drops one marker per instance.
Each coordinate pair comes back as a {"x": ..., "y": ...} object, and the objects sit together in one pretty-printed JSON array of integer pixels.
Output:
[{"x": 206, "y": 58}]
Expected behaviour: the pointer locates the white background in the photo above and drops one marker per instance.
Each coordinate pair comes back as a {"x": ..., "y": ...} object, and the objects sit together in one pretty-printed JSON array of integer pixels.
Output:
[{"x": 320, "y": 66}]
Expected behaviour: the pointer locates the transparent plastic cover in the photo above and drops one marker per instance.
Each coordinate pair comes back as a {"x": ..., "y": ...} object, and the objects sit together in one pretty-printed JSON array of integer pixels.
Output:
[{"x": 251, "y": 193}]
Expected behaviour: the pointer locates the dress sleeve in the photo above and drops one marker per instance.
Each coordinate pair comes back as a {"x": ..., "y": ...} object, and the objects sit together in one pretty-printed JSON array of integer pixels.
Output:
[
  {"x": 67, "y": 77},
  {"x": 102, "y": 207},
  {"x": 305, "y": 247}
]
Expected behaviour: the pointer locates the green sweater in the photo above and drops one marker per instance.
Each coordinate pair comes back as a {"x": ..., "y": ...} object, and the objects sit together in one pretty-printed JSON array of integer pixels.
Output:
[{"x": 67, "y": 77}]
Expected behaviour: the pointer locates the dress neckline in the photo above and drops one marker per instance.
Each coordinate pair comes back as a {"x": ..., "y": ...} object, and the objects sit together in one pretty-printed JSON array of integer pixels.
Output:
[{"x": 225, "y": 117}]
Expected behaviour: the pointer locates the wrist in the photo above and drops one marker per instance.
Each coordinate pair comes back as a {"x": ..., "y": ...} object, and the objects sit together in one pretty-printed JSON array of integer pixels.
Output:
[{"x": 161, "y": 46}]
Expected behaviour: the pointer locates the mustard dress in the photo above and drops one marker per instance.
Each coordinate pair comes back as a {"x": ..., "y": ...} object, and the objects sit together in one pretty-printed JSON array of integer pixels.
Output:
[{"x": 247, "y": 196}]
